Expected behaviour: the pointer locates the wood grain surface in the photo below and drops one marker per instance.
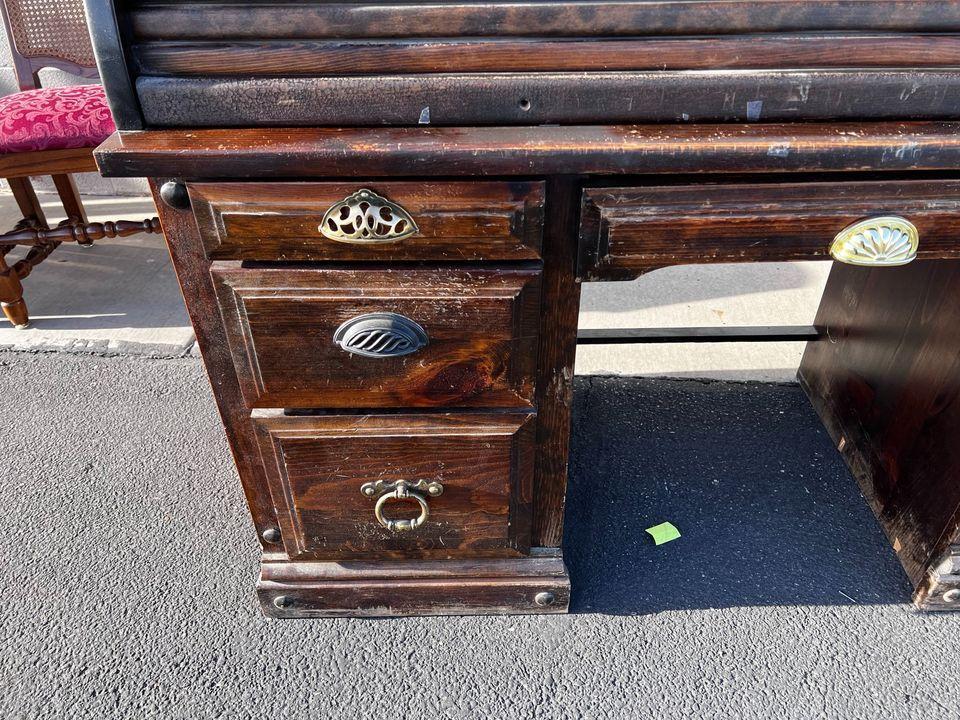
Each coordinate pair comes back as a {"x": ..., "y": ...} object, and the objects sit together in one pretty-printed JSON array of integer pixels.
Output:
[
  {"x": 625, "y": 231},
  {"x": 193, "y": 274},
  {"x": 577, "y": 149},
  {"x": 316, "y": 466},
  {"x": 886, "y": 383},
  {"x": 456, "y": 220},
  {"x": 488, "y": 586},
  {"x": 559, "y": 313},
  {"x": 283, "y": 20},
  {"x": 305, "y": 58},
  {"x": 481, "y": 324},
  {"x": 503, "y": 98}
]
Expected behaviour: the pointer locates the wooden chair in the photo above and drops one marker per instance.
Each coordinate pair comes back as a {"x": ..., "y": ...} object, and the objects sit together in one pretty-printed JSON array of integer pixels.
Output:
[{"x": 49, "y": 131}]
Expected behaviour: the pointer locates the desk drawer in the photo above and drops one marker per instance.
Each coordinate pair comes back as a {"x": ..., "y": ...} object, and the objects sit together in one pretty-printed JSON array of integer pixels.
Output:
[
  {"x": 626, "y": 231},
  {"x": 327, "y": 476},
  {"x": 352, "y": 338},
  {"x": 370, "y": 220}
]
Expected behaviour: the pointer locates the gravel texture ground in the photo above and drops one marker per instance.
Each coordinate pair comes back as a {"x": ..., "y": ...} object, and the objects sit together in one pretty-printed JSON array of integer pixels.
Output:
[{"x": 130, "y": 563}]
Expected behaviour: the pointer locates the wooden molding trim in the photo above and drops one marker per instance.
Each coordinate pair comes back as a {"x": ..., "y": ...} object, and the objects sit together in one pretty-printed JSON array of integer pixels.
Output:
[{"x": 570, "y": 150}]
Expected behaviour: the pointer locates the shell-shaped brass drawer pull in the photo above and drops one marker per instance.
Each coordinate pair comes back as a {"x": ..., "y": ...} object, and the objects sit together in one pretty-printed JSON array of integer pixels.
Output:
[
  {"x": 380, "y": 335},
  {"x": 365, "y": 217},
  {"x": 401, "y": 490},
  {"x": 877, "y": 242}
]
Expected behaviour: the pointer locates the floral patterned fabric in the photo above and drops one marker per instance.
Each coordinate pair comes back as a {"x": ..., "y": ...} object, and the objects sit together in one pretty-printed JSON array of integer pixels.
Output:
[{"x": 54, "y": 119}]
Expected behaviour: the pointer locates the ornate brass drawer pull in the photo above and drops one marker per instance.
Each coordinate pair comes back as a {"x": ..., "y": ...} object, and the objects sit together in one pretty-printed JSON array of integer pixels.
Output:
[
  {"x": 364, "y": 218},
  {"x": 877, "y": 242},
  {"x": 380, "y": 335},
  {"x": 401, "y": 490}
]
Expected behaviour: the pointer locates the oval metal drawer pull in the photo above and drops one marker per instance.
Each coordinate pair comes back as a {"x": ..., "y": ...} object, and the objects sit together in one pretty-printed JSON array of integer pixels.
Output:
[
  {"x": 401, "y": 490},
  {"x": 380, "y": 335},
  {"x": 366, "y": 218},
  {"x": 877, "y": 242}
]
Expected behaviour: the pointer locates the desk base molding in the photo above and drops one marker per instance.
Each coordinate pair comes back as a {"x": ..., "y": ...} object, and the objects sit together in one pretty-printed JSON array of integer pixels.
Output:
[{"x": 538, "y": 584}]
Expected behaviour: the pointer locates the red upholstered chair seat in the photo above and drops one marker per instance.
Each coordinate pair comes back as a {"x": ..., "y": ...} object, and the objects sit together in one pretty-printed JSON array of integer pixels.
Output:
[{"x": 54, "y": 119}]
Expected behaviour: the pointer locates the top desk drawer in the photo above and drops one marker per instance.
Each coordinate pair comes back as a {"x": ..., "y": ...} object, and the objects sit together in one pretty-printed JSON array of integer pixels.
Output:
[
  {"x": 626, "y": 231},
  {"x": 370, "y": 220}
]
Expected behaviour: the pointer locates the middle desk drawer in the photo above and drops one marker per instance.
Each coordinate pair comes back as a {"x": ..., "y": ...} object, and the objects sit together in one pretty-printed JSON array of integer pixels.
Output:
[
  {"x": 361, "y": 221},
  {"x": 381, "y": 338}
]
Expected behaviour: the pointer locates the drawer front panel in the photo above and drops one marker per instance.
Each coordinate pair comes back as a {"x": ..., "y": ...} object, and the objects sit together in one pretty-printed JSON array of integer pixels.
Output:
[
  {"x": 438, "y": 220},
  {"x": 625, "y": 232},
  {"x": 472, "y": 336},
  {"x": 318, "y": 465}
]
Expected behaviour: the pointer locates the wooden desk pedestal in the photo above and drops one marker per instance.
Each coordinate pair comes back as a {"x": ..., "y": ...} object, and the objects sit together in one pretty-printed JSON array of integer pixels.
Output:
[
  {"x": 478, "y": 403},
  {"x": 381, "y": 215}
]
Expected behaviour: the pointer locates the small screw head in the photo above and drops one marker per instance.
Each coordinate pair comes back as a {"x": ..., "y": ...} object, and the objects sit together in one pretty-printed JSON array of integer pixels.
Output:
[
  {"x": 271, "y": 535},
  {"x": 544, "y": 598},
  {"x": 952, "y": 596},
  {"x": 283, "y": 601}
]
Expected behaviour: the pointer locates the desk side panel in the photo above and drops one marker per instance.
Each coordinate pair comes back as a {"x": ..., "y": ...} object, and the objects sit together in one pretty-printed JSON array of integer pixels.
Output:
[{"x": 886, "y": 382}]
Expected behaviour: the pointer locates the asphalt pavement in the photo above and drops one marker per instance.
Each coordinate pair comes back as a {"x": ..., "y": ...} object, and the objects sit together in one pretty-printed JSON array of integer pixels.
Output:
[{"x": 129, "y": 565}]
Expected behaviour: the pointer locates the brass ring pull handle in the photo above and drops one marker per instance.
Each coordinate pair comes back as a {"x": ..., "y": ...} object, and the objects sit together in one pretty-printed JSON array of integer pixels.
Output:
[
  {"x": 877, "y": 242},
  {"x": 401, "y": 490}
]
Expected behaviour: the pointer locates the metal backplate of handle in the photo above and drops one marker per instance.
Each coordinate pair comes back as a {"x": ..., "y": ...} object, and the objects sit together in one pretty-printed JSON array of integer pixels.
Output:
[
  {"x": 401, "y": 490},
  {"x": 366, "y": 218},
  {"x": 885, "y": 241},
  {"x": 380, "y": 335}
]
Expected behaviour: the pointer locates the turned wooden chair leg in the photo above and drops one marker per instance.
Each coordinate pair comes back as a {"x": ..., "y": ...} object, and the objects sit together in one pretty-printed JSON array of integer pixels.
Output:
[
  {"x": 11, "y": 289},
  {"x": 11, "y": 296}
]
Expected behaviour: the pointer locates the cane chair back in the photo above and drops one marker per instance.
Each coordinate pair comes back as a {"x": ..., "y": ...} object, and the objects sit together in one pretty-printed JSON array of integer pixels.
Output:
[{"x": 47, "y": 33}]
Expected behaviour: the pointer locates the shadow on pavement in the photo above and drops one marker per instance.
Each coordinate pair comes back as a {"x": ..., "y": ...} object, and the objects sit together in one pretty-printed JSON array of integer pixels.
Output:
[{"x": 768, "y": 512}]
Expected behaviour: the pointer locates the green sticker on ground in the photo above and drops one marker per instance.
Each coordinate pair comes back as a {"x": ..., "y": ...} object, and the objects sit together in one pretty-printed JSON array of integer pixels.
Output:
[{"x": 663, "y": 533}]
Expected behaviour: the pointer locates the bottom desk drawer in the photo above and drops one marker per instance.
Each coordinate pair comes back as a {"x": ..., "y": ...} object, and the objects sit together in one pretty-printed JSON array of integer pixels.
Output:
[{"x": 412, "y": 486}]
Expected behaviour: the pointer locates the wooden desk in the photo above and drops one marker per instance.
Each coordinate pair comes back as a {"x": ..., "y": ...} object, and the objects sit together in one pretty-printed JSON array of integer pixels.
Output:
[{"x": 388, "y": 315}]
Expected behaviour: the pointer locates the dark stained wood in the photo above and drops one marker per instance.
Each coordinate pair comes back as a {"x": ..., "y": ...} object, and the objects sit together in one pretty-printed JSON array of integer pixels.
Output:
[
  {"x": 411, "y": 587},
  {"x": 47, "y": 162},
  {"x": 559, "y": 308},
  {"x": 193, "y": 273},
  {"x": 481, "y": 324},
  {"x": 11, "y": 296},
  {"x": 304, "y": 58},
  {"x": 625, "y": 232},
  {"x": 70, "y": 199},
  {"x": 112, "y": 61},
  {"x": 11, "y": 288},
  {"x": 406, "y": 152},
  {"x": 214, "y": 21},
  {"x": 33, "y": 230},
  {"x": 456, "y": 220},
  {"x": 316, "y": 466},
  {"x": 485, "y": 405},
  {"x": 27, "y": 201},
  {"x": 761, "y": 333},
  {"x": 886, "y": 383},
  {"x": 534, "y": 98},
  {"x": 75, "y": 231}
]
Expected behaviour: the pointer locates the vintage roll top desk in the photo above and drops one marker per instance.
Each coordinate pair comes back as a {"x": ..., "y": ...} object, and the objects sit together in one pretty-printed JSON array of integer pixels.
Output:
[{"x": 380, "y": 214}]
